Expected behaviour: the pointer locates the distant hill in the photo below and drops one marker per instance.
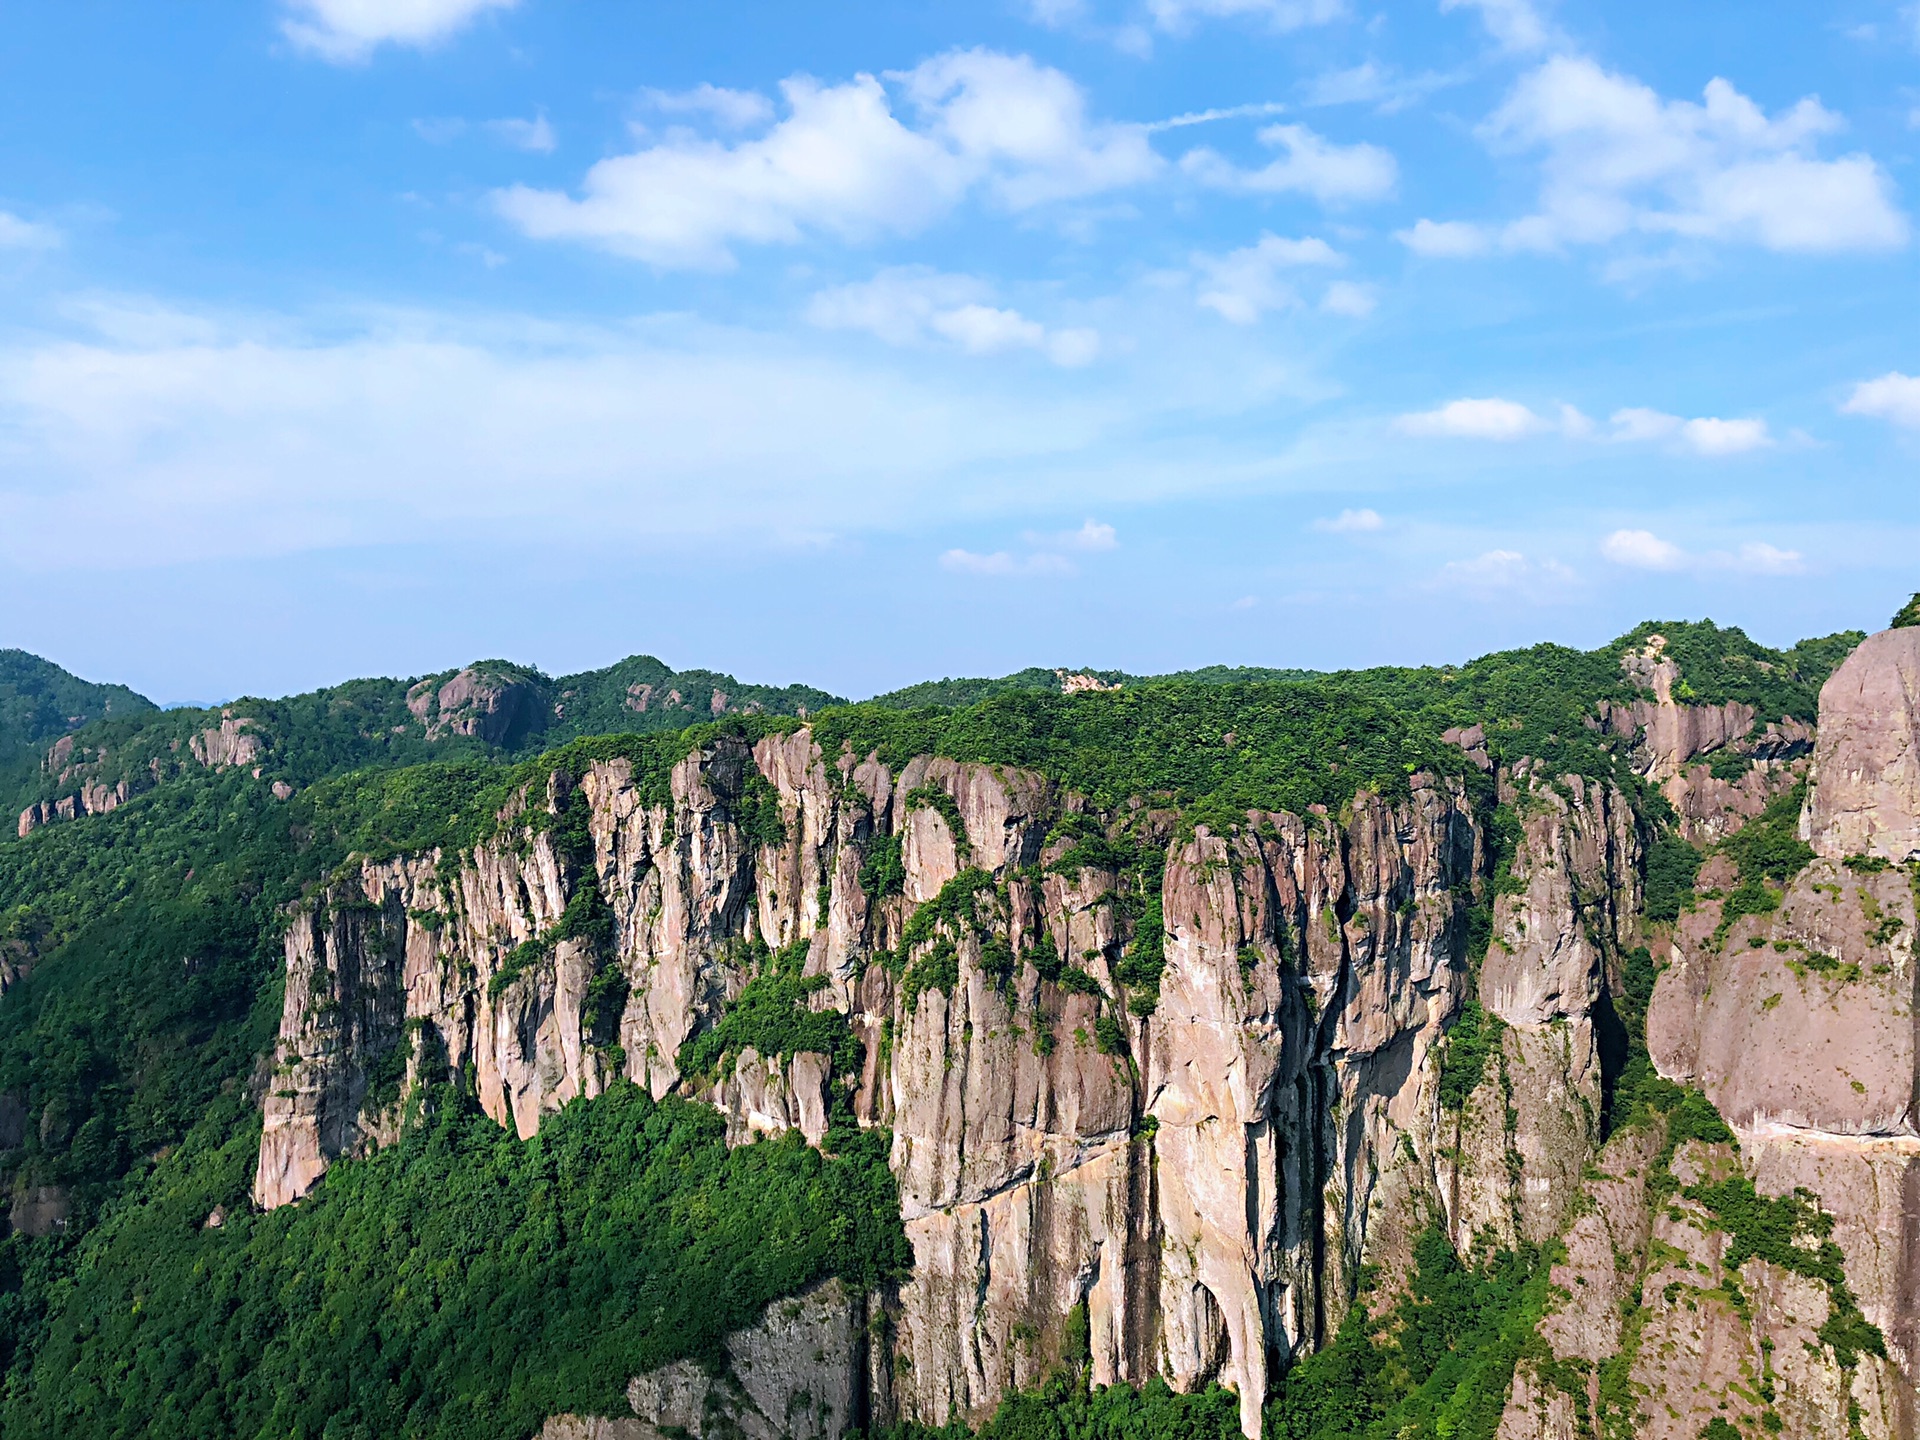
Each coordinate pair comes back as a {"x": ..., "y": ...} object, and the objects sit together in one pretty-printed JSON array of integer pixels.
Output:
[
  {"x": 118, "y": 744},
  {"x": 40, "y": 702},
  {"x": 952, "y": 694}
]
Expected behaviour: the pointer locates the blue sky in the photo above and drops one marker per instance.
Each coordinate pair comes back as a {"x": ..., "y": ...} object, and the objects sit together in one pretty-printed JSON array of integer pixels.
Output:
[{"x": 859, "y": 343}]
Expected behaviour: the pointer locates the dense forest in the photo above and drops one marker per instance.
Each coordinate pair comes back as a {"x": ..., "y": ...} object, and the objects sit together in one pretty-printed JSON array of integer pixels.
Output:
[{"x": 461, "y": 1282}]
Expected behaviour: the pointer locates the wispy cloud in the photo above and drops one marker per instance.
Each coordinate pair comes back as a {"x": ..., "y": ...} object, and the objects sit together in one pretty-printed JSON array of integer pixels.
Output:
[
  {"x": 1515, "y": 25},
  {"x": 1280, "y": 15},
  {"x": 1644, "y": 550},
  {"x": 18, "y": 234},
  {"x": 1003, "y": 563},
  {"x": 1245, "y": 284},
  {"x": 1311, "y": 164},
  {"x": 1706, "y": 435},
  {"x": 535, "y": 135},
  {"x": 1509, "y": 574},
  {"x": 1350, "y": 522},
  {"x": 349, "y": 31},
  {"x": 911, "y": 305}
]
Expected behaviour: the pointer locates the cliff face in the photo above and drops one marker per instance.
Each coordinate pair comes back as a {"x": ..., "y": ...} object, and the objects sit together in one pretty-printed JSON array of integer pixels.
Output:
[
  {"x": 1797, "y": 1016},
  {"x": 1203, "y": 1167},
  {"x": 1206, "y": 1178}
]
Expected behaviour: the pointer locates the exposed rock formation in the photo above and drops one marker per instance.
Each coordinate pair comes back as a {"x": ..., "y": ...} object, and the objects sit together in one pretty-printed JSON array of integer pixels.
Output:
[
  {"x": 799, "y": 1374},
  {"x": 1866, "y": 790},
  {"x": 235, "y": 741},
  {"x": 1798, "y": 1022},
  {"x": 493, "y": 703},
  {"x": 1208, "y": 1179}
]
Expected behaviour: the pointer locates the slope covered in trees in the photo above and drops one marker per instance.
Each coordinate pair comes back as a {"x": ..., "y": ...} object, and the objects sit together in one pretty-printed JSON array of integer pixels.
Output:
[{"x": 465, "y": 1282}]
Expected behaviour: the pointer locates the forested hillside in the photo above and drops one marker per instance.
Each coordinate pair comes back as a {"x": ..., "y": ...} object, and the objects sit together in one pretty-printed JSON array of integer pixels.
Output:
[
  {"x": 39, "y": 702},
  {"x": 447, "y": 1278}
]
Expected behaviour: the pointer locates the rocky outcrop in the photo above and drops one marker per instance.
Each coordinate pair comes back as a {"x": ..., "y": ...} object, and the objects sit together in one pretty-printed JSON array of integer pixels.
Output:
[
  {"x": 1204, "y": 1169},
  {"x": 1794, "y": 1012},
  {"x": 96, "y": 799},
  {"x": 1865, "y": 798},
  {"x": 1669, "y": 731},
  {"x": 799, "y": 1374},
  {"x": 494, "y": 703},
  {"x": 234, "y": 742}
]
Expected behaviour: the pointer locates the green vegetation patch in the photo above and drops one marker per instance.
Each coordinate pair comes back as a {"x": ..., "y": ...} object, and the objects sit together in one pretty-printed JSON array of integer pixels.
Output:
[
  {"x": 1438, "y": 1364},
  {"x": 1769, "y": 852},
  {"x": 771, "y": 1014},
  {"x": 463, "y": 1283},
  {"x": 1473, "y": 1040}
]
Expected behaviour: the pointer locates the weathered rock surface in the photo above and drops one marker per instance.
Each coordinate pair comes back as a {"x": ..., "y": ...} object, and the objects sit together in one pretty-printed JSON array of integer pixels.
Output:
[
  {"x": 1208, "y": 1180},
  {"x": 1865, "y": 798},
  {"x": 1799, "y": 1024},
  {"x": 799, "y": 1374},
  {"x": 489, "y": 702}
]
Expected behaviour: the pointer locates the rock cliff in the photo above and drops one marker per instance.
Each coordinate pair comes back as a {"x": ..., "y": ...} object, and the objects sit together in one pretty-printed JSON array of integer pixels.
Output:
[
  {"x": 1182, "y": 1089},
  {"x": 1203, "y": 1167}
]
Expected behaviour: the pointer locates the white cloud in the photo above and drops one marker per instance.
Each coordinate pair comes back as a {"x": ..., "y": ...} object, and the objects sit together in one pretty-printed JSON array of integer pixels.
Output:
[
  {"x": 1893, "y": 396},
  {"x": 1346, "y": 297},
  {"x": 350, "y": 30},
  {"x": 1445, "y": 239},
  {"x": 1282, "y": 15},
  {"x": 1514, "y": 24},
  {"x": 1000, "y": 562},
  {"x": 440, "y": 129},
  {"x": 1503, "y": 574},
  {"x": 1708, "y": 436},
  {"x": 1638, "y": 423},
  {"x": 911, "y": 304},
  {"x": 1350, "y": 522},
  {"x": 18, "y": 234},
  {"x": 1486, "y": 419},
  {"x": 1056, "y": 13},
  {"x": 842, "y": 164},
  {"x": 1330, "y": 172},
  {"x": 1642, "y": 550},
  {"x": 728, "y": 109},
  {"x": 1619, "y": 161},
  {"x": 1092, "y": 537},
  {"x": 1245, "y": 284},
  {"x": 1044, "y": 557},
  {"x": 1370, "y": 83},
  {"x": 535, "y": 136},
  {"x": 192, "y": 437},
  {"x": 1704, "y": 436},
  {"x": 1760, "y": 558}
]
